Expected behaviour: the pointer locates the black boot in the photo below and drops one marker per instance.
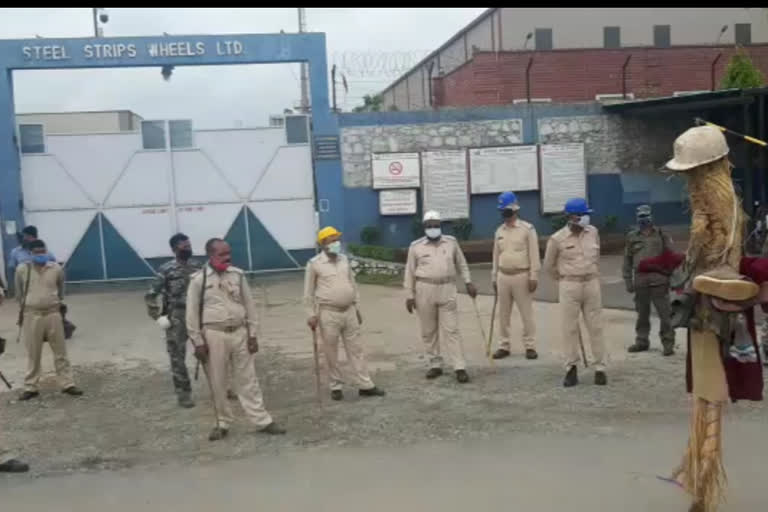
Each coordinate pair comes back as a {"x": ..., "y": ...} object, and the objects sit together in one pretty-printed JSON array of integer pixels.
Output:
[
  {"x": 600, "y": 378},
  {"x": 273, "y": 429},
  {"x": 218, "y": 433},
  {"x": 669, "y": 349},
  {"x": 531, "y": 354},
  {"x": 14, "y": 466},
  {"x": 337, "y": 394},
  {"x": 29, "y": 395},
  {"x": 185, "y": 401},
  {"x": 231, "y": 395},
  {"x": 73, "y": 391},
  {"x": 639, "y": 346},
  {"x": 501, "y": 353},
  {"x": 434, "y": 373},
  {"x": 374, "y": 391},
  {"x": 462, "y": 377},
  {"x": 572, "y": 377}
]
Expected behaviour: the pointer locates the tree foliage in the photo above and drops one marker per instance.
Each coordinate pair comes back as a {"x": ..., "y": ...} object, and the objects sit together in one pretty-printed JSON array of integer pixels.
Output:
[
  {"x": 741, "y": 73},
  {"x": 371, "y": 103}
]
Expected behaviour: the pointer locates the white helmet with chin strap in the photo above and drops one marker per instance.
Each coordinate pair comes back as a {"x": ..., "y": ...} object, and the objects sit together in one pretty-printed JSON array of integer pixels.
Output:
[{"x": 431, "y": 215}]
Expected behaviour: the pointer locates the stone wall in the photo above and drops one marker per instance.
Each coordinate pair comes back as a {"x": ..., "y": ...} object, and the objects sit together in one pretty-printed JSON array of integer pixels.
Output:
[
  {"x": 370, "y": 267},
  {"x": 358, "y": 142},
  {"x": 614, "y": 144}
]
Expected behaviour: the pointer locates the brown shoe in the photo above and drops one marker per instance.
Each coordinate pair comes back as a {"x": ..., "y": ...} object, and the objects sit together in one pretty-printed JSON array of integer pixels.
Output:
[
  {"x": 531, "y": 354},
  {"x": 73, "y": 391},
  {"x": 434, "y": 373},
  {"x": 14, "y": 466},
  {"x": 501, "y": 353},
  {"x": 29, "y": 395},
  {"x": 218, "y": 433}
]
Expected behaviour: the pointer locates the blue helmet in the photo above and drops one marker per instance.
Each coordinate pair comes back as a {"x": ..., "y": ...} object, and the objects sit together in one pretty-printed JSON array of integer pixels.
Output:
[
  {"x": 577, "y": 206},
  {"x": 507, "y": 199}
]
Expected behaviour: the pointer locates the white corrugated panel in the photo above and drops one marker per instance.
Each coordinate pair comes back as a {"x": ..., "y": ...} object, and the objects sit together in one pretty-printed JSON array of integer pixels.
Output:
[
  {"x": 202, "y": 222},
  {"x": 61, "y": 231},
  {"x": 144, "y": 183},
  {"x": 46, "y": 185},
  {"x": 289, "y": 175},
  {"x": 197, "y": 180},
  {"x": 147, "y": 230},
  {"x": 291, "y": 223}
]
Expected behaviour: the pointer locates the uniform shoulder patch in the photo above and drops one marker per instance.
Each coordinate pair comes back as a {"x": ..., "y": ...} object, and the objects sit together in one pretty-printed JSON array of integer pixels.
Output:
[
  {"x": 418, "y": 241},
  {"x": 526, "y": 224},
  {"x": 450, "y": 237}
]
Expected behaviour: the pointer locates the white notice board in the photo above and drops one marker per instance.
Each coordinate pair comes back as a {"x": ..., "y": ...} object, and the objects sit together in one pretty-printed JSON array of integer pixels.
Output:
[
  {"x": 563, "y": 175},
  {"x": 397, "y": 202},
  {"x": 499, "y": 169},
  {"x": 445, "y": 183},
  {"x": 395, "y": 170}
]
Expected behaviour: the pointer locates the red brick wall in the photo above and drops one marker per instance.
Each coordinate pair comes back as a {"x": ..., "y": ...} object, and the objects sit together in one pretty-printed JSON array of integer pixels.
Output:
[{"x": 578, "y": 75}]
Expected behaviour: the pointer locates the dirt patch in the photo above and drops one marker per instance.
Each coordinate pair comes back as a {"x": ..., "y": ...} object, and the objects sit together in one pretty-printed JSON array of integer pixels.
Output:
[{"x": 130, "y": 418}]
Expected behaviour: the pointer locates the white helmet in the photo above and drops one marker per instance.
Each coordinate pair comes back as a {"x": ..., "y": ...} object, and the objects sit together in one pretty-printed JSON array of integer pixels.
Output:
[
  {"x": 431, "y": 215},
  {"x": 698, "y": 146}
]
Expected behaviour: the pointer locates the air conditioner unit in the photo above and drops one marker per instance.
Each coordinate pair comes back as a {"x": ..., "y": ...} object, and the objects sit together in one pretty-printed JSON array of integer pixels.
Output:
[
  {"x": 688, "y": 93},
  {"x": 617, "y": 96},
  {"x": 533, "y": 100}
]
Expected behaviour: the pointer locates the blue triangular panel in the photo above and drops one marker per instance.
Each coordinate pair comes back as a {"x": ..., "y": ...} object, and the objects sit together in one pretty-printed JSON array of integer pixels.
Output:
[
  {"x": 122, "y": 260},
  {"x": 266, "y": 253},
  {"x": 238, "y": 242},
  {"x": 85, "y": 262}
]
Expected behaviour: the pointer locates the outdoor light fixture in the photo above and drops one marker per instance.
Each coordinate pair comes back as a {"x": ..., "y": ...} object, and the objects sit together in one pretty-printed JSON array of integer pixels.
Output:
[{"x": 527, "y": 38}]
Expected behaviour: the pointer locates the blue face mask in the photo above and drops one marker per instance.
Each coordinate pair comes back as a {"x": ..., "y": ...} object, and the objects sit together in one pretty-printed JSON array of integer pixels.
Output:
[{"x": 40, "y": 259}]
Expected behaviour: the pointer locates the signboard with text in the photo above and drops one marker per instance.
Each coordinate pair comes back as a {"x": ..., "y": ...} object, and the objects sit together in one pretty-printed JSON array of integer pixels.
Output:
[
  {"x": 397, "y": 202},
  {"x": 563, "y": 175},
  {"x": 396, "y": 170},
  {"x": 445, "y": 183}
]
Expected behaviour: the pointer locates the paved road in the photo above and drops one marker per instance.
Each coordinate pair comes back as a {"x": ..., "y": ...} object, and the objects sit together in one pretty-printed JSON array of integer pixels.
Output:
[{"x": 541, "y": 473}]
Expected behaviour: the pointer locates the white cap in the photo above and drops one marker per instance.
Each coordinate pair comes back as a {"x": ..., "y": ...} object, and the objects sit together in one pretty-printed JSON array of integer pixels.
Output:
[{"x": 431, "y": 215}]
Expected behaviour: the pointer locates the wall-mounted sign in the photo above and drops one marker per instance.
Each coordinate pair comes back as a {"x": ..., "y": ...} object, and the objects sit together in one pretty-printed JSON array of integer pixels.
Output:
[
  {"x": 499, "y": 169},
  {"x": 563, "y": 175},
  {"x": 396, "y": 170},
  {"x": 397, "y": 202},
  {"x": 327, "y": 148},
  {"x": 103, "y": 51},
  {"x": 445, "y": 183}
]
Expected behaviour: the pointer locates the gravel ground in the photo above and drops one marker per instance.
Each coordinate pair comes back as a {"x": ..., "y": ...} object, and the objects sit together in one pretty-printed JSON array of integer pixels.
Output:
[{"x": 129, "y": 417}]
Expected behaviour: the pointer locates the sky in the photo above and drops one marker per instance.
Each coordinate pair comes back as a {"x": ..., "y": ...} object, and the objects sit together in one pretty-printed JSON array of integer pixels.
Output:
[{"x": 372, "y": 47}]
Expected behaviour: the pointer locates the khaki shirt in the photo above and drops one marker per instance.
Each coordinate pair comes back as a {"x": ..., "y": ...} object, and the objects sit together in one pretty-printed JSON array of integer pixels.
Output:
[
  {"x": 329, "y": 282},
  {"x": 228, "y": 302},
  {"x": 569, "y": 254},
  {"x": 639, "y": 246},
  {"x": 516, "y": 248},
  {"x": 46, "y": 286},
  {"x": 434, "y": 260}
]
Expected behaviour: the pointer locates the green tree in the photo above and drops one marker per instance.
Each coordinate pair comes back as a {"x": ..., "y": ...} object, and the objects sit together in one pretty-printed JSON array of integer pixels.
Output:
[
  {"x": 371, "y": 103},
  {"x": 741, "y": 73}
]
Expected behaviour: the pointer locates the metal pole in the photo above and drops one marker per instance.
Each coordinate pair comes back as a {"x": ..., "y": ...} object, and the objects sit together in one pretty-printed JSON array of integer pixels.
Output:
[
  {"x": 712, "y": 70},
  {"x": 333, "y": 86},
  {"x": 624, "y": 77},
  {"x": 95, "y": 22},
  {"x": 304, "y": 66},
  {"x": 528, "y": 79}
]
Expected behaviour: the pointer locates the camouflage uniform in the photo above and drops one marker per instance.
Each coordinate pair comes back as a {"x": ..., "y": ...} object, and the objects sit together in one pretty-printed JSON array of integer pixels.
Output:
[
  {"x": 172, "y": 281},
  {"x": 648, "y": 287}
]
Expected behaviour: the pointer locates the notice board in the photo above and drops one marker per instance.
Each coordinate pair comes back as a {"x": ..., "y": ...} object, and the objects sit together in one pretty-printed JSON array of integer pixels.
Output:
[
  {"x": 445, "y": 183},
  {"x": 499, "y": 169},
  {"x": 563, "y": 175},
  {"x": 396, "y": 170},
  {"x": 397, "y": 202}
]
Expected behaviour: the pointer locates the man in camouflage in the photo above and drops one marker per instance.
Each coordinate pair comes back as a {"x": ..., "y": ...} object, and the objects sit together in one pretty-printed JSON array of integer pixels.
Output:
[
  {"x": 648, "y": 241},
  {"x": 171, "y": 282}
]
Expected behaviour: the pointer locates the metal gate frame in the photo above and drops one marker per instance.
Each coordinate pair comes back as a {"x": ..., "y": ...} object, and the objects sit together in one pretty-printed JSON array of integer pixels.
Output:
[{"x": 120, "y": 52}]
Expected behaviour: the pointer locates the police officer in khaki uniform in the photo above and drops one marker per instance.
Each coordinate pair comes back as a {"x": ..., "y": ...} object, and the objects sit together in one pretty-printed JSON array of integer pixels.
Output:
[
  {"x": 648, "y": 241},
  {"x": 572, "y": 258},
  {"x": 515, "y": 274},
  {"x": 8, "y": 464},
  {"x": 40, "y": 285},
  {"x": 430, "y": 286},
  {"x": 228, "y": 332},
  {"x": 331, "y": 299}
]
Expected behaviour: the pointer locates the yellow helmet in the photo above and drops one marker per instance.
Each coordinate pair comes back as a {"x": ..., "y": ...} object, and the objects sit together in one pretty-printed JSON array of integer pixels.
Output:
[{"x": 326, "y": 232}]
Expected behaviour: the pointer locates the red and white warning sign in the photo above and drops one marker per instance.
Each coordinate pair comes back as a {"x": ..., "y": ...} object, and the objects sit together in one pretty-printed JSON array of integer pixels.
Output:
[{"x": 396, "y": 170}]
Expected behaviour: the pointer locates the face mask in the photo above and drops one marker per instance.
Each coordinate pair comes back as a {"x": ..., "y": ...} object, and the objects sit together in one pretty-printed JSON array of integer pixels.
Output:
[
  {"x": 584, "y": 221},
  {"x": 219, "y": 266},
  {"x": 40, "y": 259},
  {"x": 184, "y": 254},
  {"x": 433, "y": 233},
  {"x": 644, "y": 222},
  {"x": 506, "y": 214},
  {"x": 333, "y": 247}
]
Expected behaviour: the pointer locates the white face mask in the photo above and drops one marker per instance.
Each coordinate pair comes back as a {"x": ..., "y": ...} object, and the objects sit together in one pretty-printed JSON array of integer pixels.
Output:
[
  {"x": 584, "y": 221},
  {"x": 334, "y": 247},
  {"x": 433, "y": 233}
]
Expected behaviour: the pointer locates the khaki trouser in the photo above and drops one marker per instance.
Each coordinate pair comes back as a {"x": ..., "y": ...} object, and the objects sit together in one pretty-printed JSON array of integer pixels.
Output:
[
  {"x": 36, "y": 327},
  {"x": 582, "y": 297},
  {"x": 224, "y": 347},
  {"x": 511, "y": 289},
  {"x": 438, "y": 314},
  {"x": 344, "y": 325}
]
